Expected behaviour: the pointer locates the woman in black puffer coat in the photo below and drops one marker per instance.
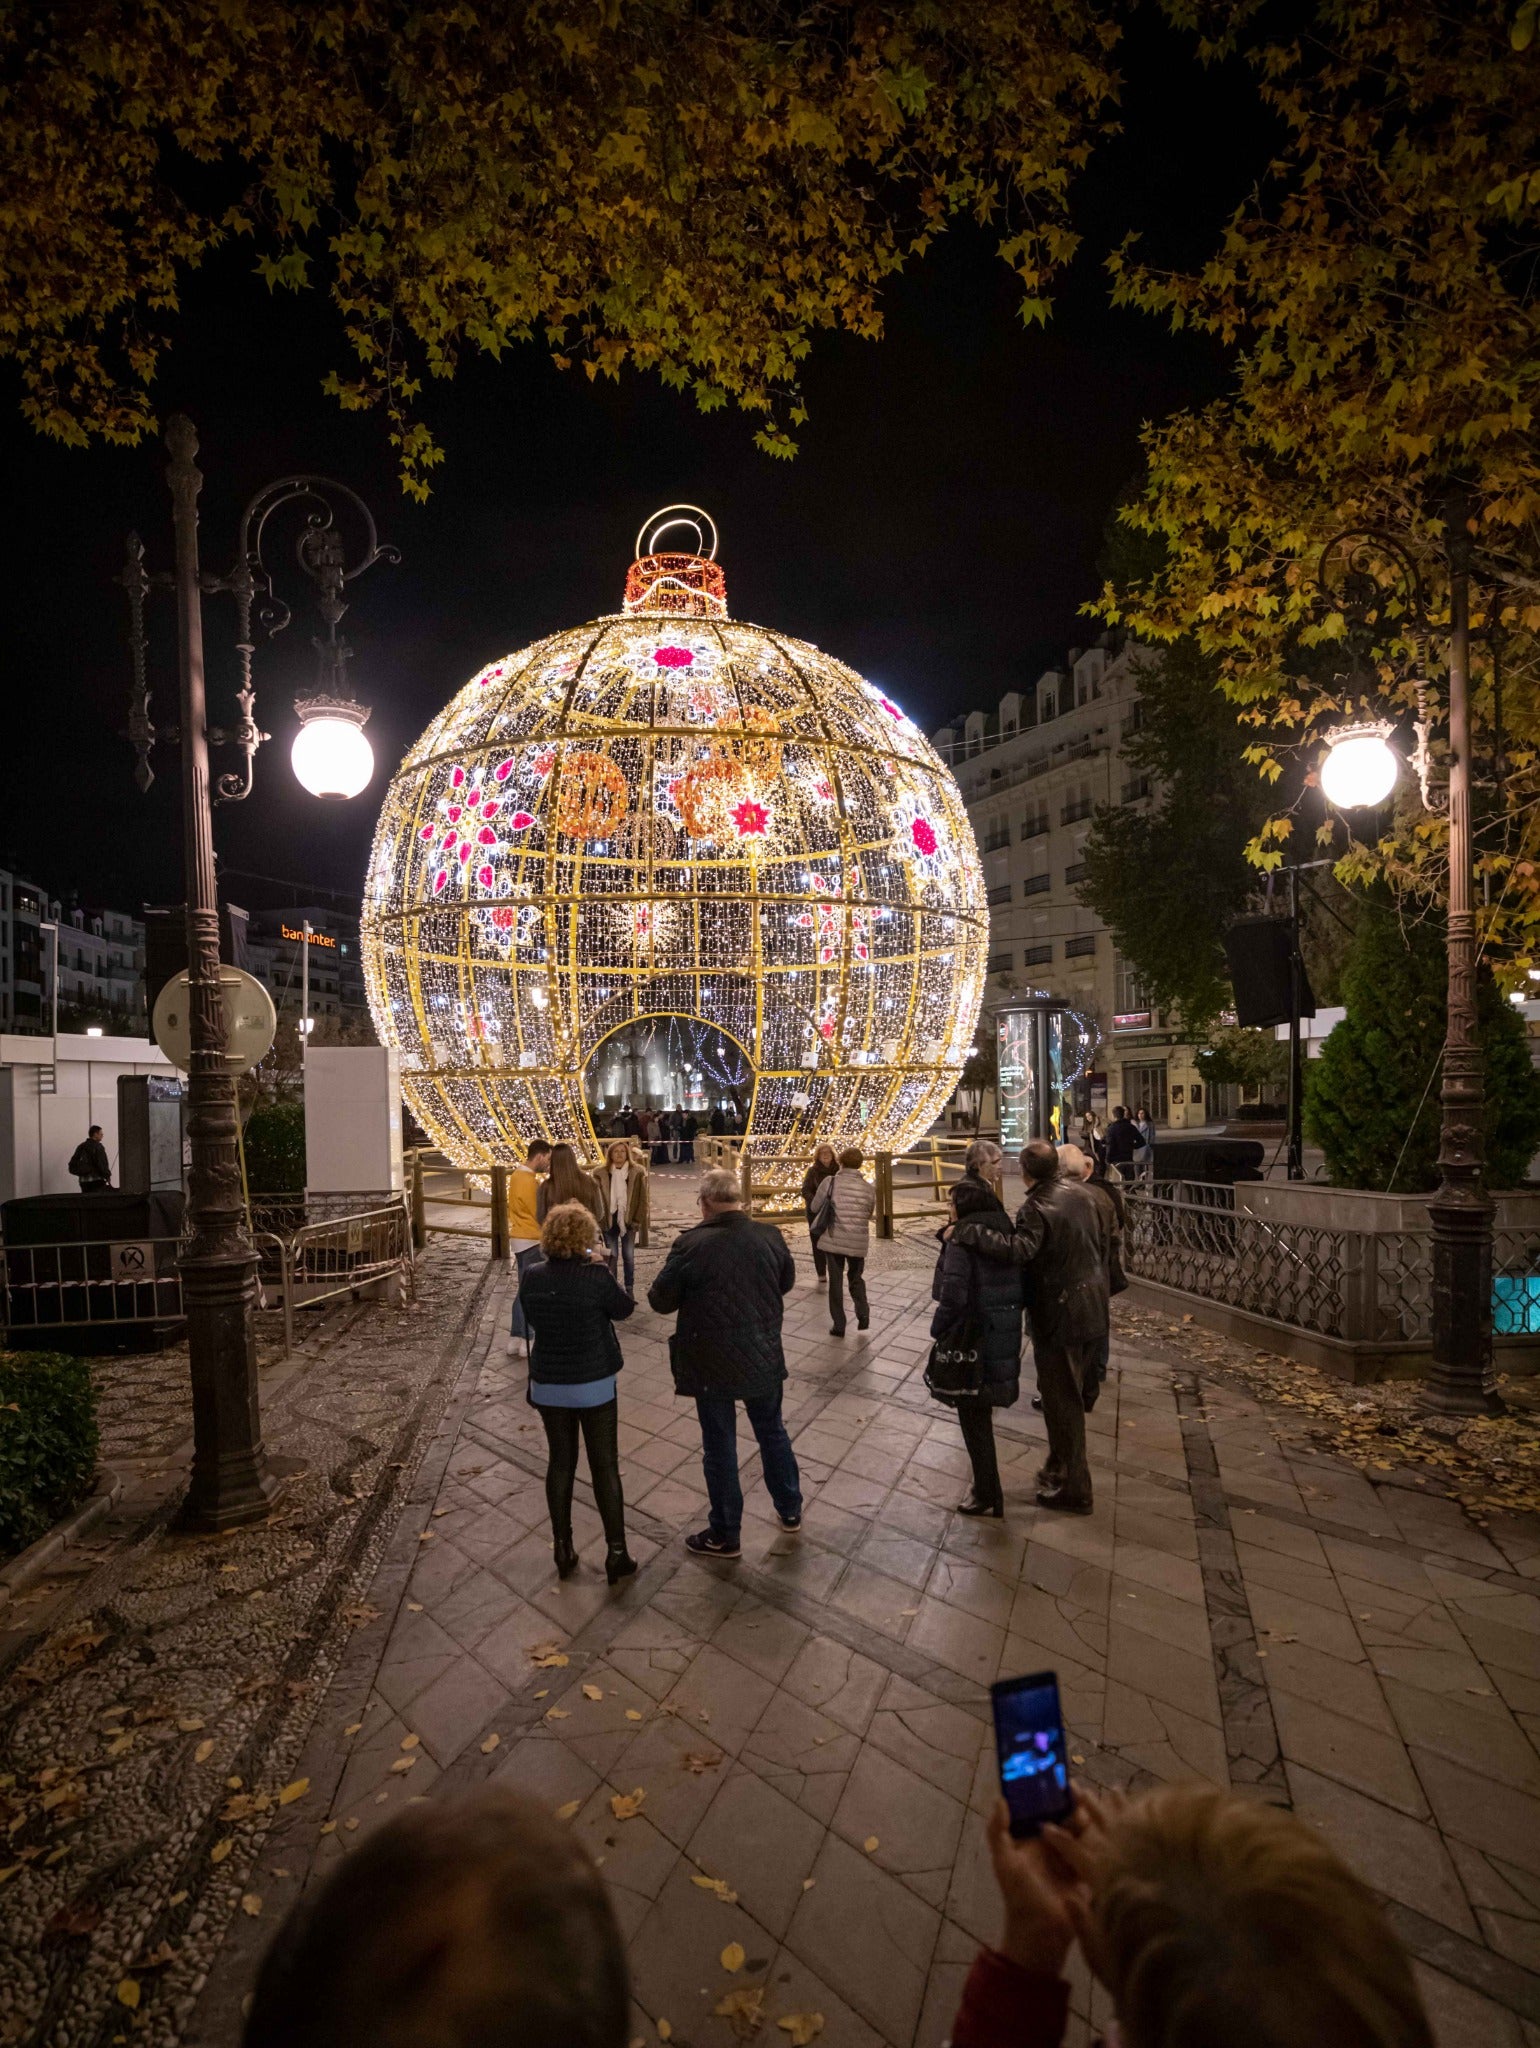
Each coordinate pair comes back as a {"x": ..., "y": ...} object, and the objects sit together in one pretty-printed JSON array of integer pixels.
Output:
[{"x": 994, "y": 1290}]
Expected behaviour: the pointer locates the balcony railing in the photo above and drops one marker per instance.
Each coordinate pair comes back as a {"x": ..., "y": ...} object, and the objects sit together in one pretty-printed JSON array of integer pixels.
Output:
[
  {"x": 1071, "y": 814},
  {"x": 1077, "y": 949},
  {"x": 1034, "y": 885},
  {"x": 1077, "y": 873}
]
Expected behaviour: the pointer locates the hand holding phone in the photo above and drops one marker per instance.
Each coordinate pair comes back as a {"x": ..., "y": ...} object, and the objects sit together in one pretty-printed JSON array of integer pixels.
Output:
[{"x": 1034, "y": 1760}]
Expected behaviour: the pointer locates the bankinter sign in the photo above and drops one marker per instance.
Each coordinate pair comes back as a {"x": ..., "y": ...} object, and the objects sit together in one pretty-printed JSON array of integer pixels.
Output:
[{"x": 290, "y": 931}]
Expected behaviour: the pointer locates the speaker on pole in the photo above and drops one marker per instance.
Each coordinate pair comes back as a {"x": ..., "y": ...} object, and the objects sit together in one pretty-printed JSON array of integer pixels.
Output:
[{"x": 1257, "y": 954}]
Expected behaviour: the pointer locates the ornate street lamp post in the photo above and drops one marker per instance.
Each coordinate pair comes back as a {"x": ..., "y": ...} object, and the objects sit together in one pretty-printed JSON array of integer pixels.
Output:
[
  {"x": 1360, "y": 769},
  {"x": 230, "y": 1483}
]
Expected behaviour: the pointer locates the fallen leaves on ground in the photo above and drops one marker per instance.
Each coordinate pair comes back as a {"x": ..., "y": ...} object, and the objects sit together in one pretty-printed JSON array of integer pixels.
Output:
[
  {"x": 717, "y": 1886},
  {"x": 295, "y": 1789},
  {"x": 204, "y": 1750},
  {"x": 221, "y": 1849},
  {"x": 410, "y": 1741},
  {"x": 744, "y": 2008},
  {"x": 566, "y": 1812},
  {"x": 1489, "y": 1464},
  {"x": 403, "y": 1763},
  {"x": 593, "y": 1692},
  {"x": 69, "y": 1921},
  {"x": 251, "y": 1904},
  {"x": 491, "y": 1743},
  {"x": 128, "y": 1993},
  {"x": 698, "y": 1761},
  {"x": 359, "y": 1614},
  {"x": 801, "y": 2027},
  {"x": 733, "y": 1957},
  {"x": 627, "y": 1805},
  {"x": 870, "y": 1844},
  {"x": 548, "y": 1656}
]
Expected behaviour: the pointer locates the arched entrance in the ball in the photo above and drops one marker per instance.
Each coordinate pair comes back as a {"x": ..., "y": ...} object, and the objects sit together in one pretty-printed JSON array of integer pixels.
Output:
[{"x": 667, "y": 1060}]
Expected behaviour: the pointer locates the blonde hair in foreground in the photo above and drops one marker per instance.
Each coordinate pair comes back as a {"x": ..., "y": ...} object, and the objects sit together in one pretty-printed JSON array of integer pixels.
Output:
[
  {"x": 569, "y": 1231},
  {"x": 1217, "y": 1921}
]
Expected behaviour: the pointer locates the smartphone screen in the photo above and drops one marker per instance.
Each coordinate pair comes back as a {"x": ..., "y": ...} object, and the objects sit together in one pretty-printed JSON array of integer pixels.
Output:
[{"x": 1034, "y": 1765}]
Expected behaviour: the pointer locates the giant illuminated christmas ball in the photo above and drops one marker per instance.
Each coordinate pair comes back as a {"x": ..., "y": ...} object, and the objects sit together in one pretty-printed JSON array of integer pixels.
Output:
[{"x": 668, "y": 814}]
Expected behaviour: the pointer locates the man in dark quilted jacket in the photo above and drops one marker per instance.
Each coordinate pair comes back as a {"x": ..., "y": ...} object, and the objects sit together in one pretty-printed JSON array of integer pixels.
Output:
[{"x": 726, "y": 1279}]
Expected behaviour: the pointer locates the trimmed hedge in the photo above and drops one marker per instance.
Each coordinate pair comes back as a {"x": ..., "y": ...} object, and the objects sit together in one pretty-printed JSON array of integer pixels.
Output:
[
  {"x": 275, "y": 1149},
  {"x": 48, "y": 1442}
]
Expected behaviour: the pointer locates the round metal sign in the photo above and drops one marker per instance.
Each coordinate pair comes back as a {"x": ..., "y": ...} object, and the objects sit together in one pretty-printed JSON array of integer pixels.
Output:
[{"x": 251, "y": 1022}]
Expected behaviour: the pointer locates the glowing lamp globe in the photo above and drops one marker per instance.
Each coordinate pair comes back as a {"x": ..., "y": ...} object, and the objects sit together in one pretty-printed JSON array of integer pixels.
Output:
[
  {"x": 669, "y": 828},
  {"x": 331, "y": 756},
  {"x": 1360, "y": 767}
]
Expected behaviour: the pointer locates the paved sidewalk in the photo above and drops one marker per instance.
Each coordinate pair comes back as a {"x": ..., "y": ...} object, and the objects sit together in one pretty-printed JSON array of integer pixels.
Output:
[{"x": 809, "y": 1729}]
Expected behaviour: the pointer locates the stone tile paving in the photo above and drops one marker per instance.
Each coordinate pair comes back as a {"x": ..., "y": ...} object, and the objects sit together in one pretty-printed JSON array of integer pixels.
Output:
[{"x": 809, "y": 1728}]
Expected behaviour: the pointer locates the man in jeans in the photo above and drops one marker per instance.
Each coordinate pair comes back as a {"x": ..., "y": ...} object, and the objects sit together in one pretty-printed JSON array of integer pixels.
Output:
[{"x": 726, "y": 1278}]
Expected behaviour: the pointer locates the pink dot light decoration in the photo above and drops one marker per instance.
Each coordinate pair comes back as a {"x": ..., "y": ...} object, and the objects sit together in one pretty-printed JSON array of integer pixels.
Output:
[{"x": 790, "y": 862}]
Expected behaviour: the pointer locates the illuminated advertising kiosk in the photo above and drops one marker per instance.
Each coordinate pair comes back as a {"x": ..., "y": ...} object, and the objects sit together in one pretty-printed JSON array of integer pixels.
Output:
[{"x": 1043, "y": 1046}]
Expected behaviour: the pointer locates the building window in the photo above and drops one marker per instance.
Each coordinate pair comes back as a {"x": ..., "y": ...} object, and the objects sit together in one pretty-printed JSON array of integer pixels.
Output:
[
  {"x": 999, "y": 963},
  {"x": 1075, "y": 873},
  {"x": 1000, "y": 893},
  {"x": 1136, "y": 787},
  {"x": 1129, "y": 992},
  {"x": 1034, "y": 885},
  {"x": 1079, "y": 949},
  {"x": 1037, "y": 956},
  {"x": 1035, "y": 823},
  {"x": 1144, "y": 1087},
  {"x": 999, "y": 836}
]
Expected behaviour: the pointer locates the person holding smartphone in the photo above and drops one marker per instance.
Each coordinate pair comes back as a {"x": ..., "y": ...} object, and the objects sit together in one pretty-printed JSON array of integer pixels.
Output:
[{"x": 1209, "y": 1916}]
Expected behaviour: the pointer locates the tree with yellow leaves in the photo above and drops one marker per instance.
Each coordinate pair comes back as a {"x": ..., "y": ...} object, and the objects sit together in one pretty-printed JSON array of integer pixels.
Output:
[
  {"x": 1379, "y": 293},
  {"x": 694, "y": 191}
]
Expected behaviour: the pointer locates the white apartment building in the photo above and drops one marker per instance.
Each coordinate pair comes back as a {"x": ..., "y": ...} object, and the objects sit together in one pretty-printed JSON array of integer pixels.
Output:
[
  {"x": 101, "y": 968},
  {"x": 1032, "y": 775}
]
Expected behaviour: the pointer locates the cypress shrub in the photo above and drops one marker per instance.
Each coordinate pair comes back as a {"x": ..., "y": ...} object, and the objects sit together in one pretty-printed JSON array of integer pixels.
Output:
[{"x": 1372, "y": 1098}]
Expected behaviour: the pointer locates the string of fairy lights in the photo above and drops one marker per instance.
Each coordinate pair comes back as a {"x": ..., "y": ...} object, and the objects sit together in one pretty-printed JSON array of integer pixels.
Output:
[{"x": 668, "y": 813}]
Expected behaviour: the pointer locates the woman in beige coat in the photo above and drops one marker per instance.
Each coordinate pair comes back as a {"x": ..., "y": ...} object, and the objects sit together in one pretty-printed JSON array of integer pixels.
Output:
[
  {"x": 623, "y": 1186},
  {"x": 842, "y": 1219}
]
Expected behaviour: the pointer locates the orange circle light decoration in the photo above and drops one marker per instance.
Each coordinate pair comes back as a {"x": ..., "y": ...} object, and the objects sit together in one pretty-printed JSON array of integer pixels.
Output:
[{"x": 671, "y": 813}]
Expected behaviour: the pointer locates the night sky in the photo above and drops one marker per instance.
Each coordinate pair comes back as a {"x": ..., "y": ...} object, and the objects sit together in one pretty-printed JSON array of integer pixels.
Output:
[{"x": 939, "y": 528}]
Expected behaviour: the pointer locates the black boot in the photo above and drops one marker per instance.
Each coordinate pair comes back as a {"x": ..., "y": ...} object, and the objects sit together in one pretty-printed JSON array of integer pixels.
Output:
[
  {"x": 974, "y": 1506},
  {"x": 566, "y": 1556},
  {"x": 618, "y": 1563}
]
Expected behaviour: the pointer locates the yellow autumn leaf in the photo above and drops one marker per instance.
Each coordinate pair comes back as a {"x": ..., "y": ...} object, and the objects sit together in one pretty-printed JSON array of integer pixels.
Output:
[
  {"x": 566, "y": 1812},
  {"x": 869, "y": 1844},
  {"x": 491, "y": 1743},
  {"x": 627, "y": 1805},
  {"x": 128, "y": 1993},
  {"x": 592, "y": 1692},
  {"x": 718, "y": 1886},
  {"x": 251, "y": 1904},
  {"x": 295, "y": 1789},
  {"x": 221, "y": 1849},
  {"x": 633, "y": 1714},
  {"x": 733, "y": 1957},
  {"x": 204, "y": 1750},
  {"x": 665, "y": 2031},
  {"x": 410, "y": 1741},
  {"x": 190, "y": 1723},
  {"x": 801, "y": 2027},
  {"x": 403, "y": 1763}
]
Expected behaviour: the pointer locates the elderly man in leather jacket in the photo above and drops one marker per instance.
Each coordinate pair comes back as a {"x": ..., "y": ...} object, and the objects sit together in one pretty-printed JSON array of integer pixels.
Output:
[{"x": 1061, "y": 1239}]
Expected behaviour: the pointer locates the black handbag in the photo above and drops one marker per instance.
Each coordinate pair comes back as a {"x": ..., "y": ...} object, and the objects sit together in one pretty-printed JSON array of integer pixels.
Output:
[{"x": 955, "y": 1369}]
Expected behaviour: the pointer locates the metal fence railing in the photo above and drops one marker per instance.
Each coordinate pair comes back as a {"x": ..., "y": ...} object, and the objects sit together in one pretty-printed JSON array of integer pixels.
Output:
[
  {"x": 94, "y": 1284},
  {"x": 310, "y": 1249},
  {"x": 1362, "y": 1286}
]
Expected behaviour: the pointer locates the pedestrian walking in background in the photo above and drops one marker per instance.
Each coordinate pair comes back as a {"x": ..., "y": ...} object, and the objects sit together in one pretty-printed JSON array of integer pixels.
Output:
[
  {"x": 1109, "y": 1199},
  {"x": 842, "y": 1214},
  {"x": 1058, "y": 1239},
  {"x": 718, "y": 1122},
  {"x": 524, "y": 1184},
  {"x": 624, "y": 1187},
  {"x": 726, "y": 1280},
  {"x": 979, "y": 1300},
  {"x": 572, "y": 1303},
  {"x": 825, "y": 1164},
  {"x": 567, "y": 1182},
  {"x": 90, "y": 1165},
  {"x": 689, "y": 1130}
]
